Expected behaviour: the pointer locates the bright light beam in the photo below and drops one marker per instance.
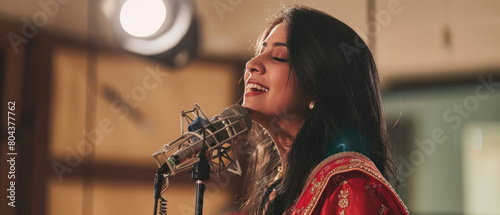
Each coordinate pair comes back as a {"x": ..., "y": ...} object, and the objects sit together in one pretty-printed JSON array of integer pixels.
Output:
[{"x": 142, "y": 18}]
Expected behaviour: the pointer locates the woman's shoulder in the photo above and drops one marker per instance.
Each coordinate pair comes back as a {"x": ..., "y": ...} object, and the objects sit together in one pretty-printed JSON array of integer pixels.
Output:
[{"x": 348, "y": 183}]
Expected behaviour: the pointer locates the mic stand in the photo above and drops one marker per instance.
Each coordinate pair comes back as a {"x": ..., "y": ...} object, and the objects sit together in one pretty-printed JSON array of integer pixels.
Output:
[
  {"x": 200, "y": 173},
  {"x": 159, "y": 178}
]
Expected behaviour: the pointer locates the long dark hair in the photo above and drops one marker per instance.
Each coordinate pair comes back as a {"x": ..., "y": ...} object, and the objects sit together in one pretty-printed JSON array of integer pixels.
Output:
[{"x": 335, "y": 67}]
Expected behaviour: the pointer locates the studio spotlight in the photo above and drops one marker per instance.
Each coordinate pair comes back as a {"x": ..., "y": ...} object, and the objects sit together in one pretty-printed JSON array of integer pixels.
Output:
[
  {"x": 165, "y": 30},
  {"x": 135, "y": 13}
]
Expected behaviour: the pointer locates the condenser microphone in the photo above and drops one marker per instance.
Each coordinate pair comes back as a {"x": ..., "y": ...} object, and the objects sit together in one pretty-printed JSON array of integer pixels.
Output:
[
  {"x": 201, "y": 125},
  {"x": 229, "y": 127}
]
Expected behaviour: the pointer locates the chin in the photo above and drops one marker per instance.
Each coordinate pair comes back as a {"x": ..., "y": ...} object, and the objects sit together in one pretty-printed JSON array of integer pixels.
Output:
[
  {"x": 248, "y": 106},
  {"x": 251, "y": 111}
]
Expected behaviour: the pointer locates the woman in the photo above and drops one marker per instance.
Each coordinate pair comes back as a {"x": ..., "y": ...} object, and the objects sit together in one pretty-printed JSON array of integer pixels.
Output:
[{"x": 313, "y": 86}]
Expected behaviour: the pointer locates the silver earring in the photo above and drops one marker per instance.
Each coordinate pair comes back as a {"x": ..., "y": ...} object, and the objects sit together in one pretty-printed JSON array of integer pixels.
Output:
[{"x": 311, "y": 105}]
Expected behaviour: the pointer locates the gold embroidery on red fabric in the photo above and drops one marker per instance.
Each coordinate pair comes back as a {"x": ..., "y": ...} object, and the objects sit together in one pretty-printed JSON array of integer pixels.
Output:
[
  {"x": 383, "y": 210},
  {"x": 314, "y": 185},
  {"x": 372, "y": 186},
  {"x": 299, "y": 210},
  {"x": 353, "y": 160},
  {"x": 337, "y": 179},
  {"x": 344, "y": 198},
  {"x": 339, "y": 161},
  {"x": 354, "y": 164}
]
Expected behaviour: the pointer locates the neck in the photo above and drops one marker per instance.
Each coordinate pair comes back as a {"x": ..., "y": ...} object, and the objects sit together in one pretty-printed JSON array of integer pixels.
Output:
[{"x": 284, "y": 133}]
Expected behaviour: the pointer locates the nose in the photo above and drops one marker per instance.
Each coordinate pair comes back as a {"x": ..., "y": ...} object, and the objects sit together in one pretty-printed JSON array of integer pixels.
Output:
[{"x": 255, "y": 65}]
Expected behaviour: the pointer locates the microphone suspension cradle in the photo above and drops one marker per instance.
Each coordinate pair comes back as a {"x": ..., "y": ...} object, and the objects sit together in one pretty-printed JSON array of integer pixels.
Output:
[{"x": 218, "y": 134}]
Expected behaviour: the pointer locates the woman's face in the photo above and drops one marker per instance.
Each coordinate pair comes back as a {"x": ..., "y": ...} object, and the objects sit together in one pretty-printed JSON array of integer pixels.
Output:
[{"x": 272, "y": 91}]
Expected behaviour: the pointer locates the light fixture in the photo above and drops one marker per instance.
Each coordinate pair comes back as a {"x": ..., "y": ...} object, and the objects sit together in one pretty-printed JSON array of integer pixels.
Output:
[
  {"x": 135, "y": 13},
  {"x": 166, "y": 30}
]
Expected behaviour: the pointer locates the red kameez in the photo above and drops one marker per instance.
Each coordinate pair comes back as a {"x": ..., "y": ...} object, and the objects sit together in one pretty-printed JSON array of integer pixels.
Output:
[{"x": 348, "y": 183}]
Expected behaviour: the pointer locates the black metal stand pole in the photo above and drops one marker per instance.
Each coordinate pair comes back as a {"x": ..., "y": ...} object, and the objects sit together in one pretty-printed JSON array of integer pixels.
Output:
[
  {"x": 157, "y": 190},
  {"x": 200, "y": 191},
  {"x": 158, "y": 185},
  {"x": 201, "y": 173}
]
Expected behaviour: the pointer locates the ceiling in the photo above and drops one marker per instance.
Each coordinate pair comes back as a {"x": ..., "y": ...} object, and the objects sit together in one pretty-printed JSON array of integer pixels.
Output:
[{"x": 412, "y": 37}]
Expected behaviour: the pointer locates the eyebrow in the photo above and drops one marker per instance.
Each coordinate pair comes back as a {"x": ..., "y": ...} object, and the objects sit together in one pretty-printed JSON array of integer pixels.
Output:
[{"x": 274, "y": 44}]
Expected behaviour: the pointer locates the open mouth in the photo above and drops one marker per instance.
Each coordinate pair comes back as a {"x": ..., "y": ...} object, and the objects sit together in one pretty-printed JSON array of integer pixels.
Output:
[{"x": 252, "y": 87}]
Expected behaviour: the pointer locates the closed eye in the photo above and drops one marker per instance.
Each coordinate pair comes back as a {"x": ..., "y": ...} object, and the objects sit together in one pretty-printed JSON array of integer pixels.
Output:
[{"x": 280, "y": 59}]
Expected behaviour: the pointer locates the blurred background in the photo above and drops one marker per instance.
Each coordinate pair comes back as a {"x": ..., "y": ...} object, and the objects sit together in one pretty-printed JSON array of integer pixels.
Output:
[{"x": 98, "y": 87}]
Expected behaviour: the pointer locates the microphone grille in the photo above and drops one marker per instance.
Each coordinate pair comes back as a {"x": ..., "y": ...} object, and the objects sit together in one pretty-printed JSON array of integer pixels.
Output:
[{"x": 238, "y": 110}]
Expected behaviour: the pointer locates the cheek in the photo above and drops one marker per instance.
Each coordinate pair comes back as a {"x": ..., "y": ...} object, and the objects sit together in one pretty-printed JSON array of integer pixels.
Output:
[
  {"x": 246, "y": 74},
  {"x": 280, "y": 80},
  {"x": 294, "y": 92}
]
